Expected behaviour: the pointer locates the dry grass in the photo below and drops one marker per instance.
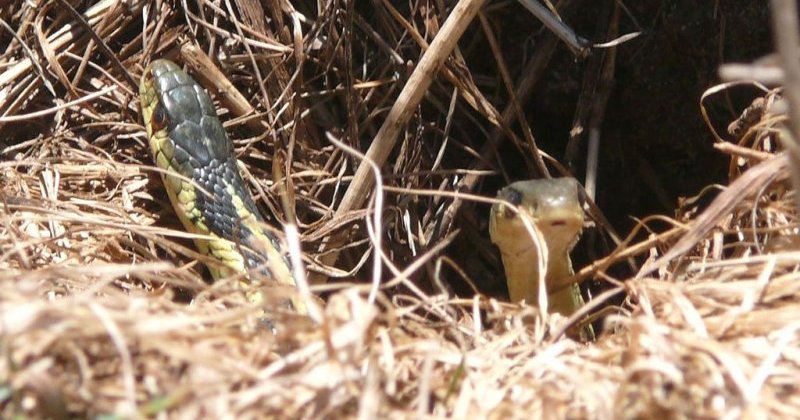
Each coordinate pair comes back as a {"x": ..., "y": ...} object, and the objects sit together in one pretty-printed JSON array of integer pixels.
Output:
[{"x": 95, "y": 266}]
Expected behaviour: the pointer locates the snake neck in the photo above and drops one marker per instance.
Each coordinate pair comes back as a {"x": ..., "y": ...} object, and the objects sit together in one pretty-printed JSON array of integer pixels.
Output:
[{"x": 522, "y": 272}]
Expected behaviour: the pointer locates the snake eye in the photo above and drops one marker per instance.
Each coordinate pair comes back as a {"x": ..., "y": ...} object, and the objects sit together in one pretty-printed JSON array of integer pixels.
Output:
[
  {"x": 514, "y": 196},
  {"x": 159, "y": 120},
  {"x": 511, "y": 196}
]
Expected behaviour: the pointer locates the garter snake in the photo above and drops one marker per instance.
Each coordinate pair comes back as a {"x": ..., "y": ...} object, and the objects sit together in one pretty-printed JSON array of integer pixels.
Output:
[
  {"x": 200, "y": 174},
  {"x": 553, "y": 207}
]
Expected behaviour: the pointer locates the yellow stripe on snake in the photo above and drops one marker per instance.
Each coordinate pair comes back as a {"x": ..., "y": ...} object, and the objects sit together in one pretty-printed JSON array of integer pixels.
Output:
[
  {"x": 553, "y": 207},
  {"x": 201, "y": 177}
]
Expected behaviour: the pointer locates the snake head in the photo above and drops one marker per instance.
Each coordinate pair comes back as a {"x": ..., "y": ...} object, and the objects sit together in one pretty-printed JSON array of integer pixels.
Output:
[
  {"x": 175, "y": 105},
  {"x": 554, "y": 206}
]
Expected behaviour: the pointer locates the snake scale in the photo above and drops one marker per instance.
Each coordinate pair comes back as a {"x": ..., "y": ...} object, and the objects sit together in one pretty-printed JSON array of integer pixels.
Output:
[{"x": 200, "y": 173}]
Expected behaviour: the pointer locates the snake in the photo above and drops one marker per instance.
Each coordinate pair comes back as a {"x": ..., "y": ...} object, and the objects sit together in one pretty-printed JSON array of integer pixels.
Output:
[
  {"x": 200, "y": 174},
  {"x": 552, "y": 210}
]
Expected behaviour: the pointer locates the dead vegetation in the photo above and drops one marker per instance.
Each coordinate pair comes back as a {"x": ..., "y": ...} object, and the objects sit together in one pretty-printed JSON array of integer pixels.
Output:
[{"x": 95, "y": 270}]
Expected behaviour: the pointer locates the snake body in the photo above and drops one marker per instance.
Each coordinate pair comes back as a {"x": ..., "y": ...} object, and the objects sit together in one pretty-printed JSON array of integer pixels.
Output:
[
  {"x": 552, "y": 207},
  {"x": 199, "y": 171}
]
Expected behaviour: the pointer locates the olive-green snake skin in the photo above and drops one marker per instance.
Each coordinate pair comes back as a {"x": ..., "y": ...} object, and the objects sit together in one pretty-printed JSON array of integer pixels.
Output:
[{"x": 553, "y": 207}]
